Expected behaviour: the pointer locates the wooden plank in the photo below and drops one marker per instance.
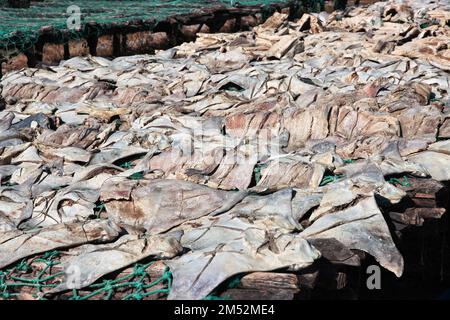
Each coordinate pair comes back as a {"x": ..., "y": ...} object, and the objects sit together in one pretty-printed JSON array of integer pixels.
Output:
[{"x": 267, "y": 280}]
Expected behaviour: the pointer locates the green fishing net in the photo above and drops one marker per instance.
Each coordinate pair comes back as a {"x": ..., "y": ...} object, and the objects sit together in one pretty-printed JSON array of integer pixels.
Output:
[
  {"x": 30, "y": 278},
  {"x": 19, "y": 28}
]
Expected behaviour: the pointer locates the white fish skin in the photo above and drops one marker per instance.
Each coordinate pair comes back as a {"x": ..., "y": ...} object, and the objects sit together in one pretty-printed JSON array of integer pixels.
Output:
[
  {"x": 94, "y": 261},
  {"x": 16, "y": 244},
  {"x": 233, "y": 246},
  {"x": 362, "y": 227}
]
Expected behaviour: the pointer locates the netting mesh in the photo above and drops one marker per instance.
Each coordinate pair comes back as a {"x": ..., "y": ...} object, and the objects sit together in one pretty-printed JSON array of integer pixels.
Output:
[
  {"x": 138, "y": 281},
  {"x": 11, "y": 280},
  {"x": 20, "y": 27},
  {"x": 29, "y": 279}
]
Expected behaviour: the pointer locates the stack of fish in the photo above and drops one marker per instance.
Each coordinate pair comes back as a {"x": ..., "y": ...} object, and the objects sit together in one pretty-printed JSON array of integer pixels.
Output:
[{"x": 213, "y": 155}]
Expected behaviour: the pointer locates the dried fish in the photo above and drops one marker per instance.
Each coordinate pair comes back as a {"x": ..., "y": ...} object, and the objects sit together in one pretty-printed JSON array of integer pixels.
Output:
[
  {"x": 362, "y": 227},
  {"x": 83, "y": 265},
  {"x": 16, "y": 244},
  {"x": 159, "y": 205},
  {"x": 227, "y": 239},
  {"x": 267, "y": 148}
]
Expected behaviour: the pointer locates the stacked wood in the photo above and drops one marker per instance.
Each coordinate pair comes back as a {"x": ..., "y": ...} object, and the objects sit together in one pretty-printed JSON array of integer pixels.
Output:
[{"x": 426, "y": 199}]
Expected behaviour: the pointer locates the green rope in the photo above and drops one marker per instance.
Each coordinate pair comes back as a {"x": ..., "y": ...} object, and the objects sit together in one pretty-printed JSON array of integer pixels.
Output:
[
  {"x": 329, "y": 179},
  {"x": 14, "y": 279},
  {"x": 137, "y": 176},
  {"x": 126, "y": 165},
  {"x": 99, "y": 208},
  {"x": 257, "y": 171},
  {"x": 135, "y": 280},
  {"x": 231, "y": 283},
  {"x": 399, "y": 181},
  {"x": 234, "y": 282},
  {"x": 9, "y": 282}
]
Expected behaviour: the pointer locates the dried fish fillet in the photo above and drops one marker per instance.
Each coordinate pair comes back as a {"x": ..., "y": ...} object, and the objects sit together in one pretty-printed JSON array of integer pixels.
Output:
[
  {"x": 83, "y": 265},
  {"x": 266, "y": 148},
  {"x": 159, "y": 205},
  {"x": 200, "y": 271},
  {"x": 16, "y": 244},
  {"x": 362, "y": 227}
]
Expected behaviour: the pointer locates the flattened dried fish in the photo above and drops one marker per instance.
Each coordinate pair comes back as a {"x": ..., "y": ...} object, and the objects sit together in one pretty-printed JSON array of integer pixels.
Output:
[
  {"x": 15, "y": 244},
  {"x": 265, "y": 148},
  {"x": 83, "y": 265},
  {"x": 198, "y": 272},
  {"x": 362, "y": 227},
  {"x": 160, "y": 205}
]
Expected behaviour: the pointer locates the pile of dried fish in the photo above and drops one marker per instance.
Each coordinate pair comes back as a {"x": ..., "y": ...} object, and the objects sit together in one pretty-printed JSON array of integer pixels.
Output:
[{"x": 231, "y": 154}]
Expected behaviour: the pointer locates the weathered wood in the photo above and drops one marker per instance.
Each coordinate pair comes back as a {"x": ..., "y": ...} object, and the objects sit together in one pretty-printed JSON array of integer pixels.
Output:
[
  {"x": 78, "y": 48},
  {"x": 265, "y": 285},
  {"x": 427, "y": 193},
  {"x": 426, "y": 199},
  {"x": 267, "y": 280},
  {"x": 406, "y": 218}
]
